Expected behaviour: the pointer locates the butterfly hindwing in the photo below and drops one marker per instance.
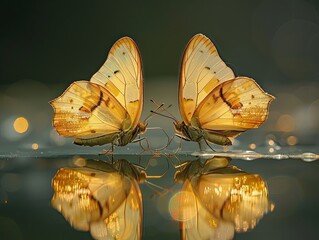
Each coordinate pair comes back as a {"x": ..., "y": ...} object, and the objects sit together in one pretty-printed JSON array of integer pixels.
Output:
[
  {"x": 202, "y": 70},
  {"x": 233, "y": 106},
  {"x": 121, "y": 75},
  {"x": 87, "y": 110}
]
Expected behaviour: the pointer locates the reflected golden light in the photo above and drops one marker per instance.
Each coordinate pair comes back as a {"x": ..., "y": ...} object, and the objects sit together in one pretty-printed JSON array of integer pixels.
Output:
[
  {"x": 292, "y": 140},
  {"x": 271, "y": 142},
  {"x": 35, "y": 146},
  {"x": 182, "y": 206},
  {"x": 286, "y": 123},
  {"x": 21, "y": 125},
  {"x": 252, "y": 146}
]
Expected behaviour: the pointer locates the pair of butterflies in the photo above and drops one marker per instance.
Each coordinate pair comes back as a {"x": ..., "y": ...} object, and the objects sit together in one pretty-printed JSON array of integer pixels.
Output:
[
  {"x": 214, "y": 104},
  {"x": 216, "y": 200}
]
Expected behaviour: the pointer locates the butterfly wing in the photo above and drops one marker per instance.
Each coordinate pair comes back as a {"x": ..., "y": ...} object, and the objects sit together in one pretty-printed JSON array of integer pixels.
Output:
[
  {"x": 202, "y": 70},
  {"x": 106, "y": 203},
  {"x": 87, "y": 110},
  {"x": 121, "y": 75},
  {"x": 233, "y": 107},
  {"x": 202, "y": 224}
]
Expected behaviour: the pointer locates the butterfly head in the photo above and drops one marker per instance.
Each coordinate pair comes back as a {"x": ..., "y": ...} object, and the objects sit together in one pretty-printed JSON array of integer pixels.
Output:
[
  {"x": 142, "y": 127},
  {"x": 179, "y": 125}
]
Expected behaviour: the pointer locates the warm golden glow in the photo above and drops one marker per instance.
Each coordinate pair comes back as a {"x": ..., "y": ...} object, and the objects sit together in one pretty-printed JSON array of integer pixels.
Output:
[
  {"x": 252, "y": 146},
  {"x": 271, "y": 150},
  {"x": 182, "y": 206},
  {"x": 21, "y": 125},
  {"x": 35, "y": 146},
  {"x": 292, "y": 140},
  {"x": 286, "y": 123}
]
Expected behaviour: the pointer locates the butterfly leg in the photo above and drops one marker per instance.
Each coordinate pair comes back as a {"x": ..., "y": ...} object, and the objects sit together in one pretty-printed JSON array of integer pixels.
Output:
[{"x": 109, "y": 151}]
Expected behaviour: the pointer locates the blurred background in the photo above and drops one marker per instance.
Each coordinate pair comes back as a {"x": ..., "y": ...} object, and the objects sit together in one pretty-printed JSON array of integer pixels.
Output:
[{"x": 46, "y": 45}]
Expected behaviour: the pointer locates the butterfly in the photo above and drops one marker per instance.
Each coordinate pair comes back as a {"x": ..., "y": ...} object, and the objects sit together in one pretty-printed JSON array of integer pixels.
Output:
[
  {"x": 101, "y": 197},
  {"x": 214, "y": 104},
  {"x": 107, "y": 108},
  {"x": 217, "y": 200}
]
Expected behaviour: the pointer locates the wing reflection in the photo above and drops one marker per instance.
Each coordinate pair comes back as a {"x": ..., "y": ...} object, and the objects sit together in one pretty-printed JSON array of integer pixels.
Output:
[
  {"x": 102, "y": 197},
  {"x": 218, "y": 200}
]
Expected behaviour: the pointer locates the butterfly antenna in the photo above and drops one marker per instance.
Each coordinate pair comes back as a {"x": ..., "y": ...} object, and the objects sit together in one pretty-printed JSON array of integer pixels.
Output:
[
  {"x": 165, "y": 110},
  {"x": 152, "y": 111}
]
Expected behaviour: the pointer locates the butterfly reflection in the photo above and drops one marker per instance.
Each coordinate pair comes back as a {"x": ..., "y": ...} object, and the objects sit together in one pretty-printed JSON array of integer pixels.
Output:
[
  {"x": 100, "y": 197},
  {"x": 217, "y": 200}
]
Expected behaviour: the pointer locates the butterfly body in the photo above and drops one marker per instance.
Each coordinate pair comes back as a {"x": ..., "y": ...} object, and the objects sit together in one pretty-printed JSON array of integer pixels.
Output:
[
  {"x": 197, "y": 134},
  {"x": 214, "y": 104},
  {"x": 120, "y": 139},
  {"x": 106, "y": 109}
]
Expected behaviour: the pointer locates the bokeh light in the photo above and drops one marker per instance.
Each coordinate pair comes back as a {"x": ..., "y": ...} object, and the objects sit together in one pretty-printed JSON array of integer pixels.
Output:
[
  {"x": 182, "y": 206},
  {"x": 252, "y": 146},
  {"x": 286, "y": 123},
  {"x": 21, "y": 125},
  {"x": 35, "y": 146},
  {"x": 292, "y": 140}
]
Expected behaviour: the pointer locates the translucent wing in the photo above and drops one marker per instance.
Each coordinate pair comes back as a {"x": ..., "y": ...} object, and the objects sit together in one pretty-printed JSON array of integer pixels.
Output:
[
  {"x": 202, "y": 224},
  {"x": 202, "y": 70},
  {"x": 238, "y": 198},
  {"x": 106, "y": 203},
  {"x": 232, "y": 107},
  {"x": 121, "y": 75},
  {"x": 87, "y": 110}
]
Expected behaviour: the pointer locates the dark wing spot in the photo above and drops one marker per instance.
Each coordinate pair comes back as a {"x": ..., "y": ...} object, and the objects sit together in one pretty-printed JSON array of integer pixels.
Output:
[
  {"x": 108, "y": 76},
  {"x": 107, "y": 102},
  {"x": 252, "y": 96},
  {"x": 93, "y": 131},
  {"x": 123, "y": 53},
  {"x": 223, "y": 97},
  {"x": 116, "y": 71},
  {"x": 72, "y": 107},
  {"x": 98, "y": 103},
  {"x": 214, "y": 72},
  {"x": 201, "y": 51},
  {"x": 71, "y": 100},
  {"x": 93, "y": 174},
  {"x": 249, "y": 103},
  {"x": 208, "y": 68},
  {"x": 83, "y": 109},
  {"x": 237, "y": 106}
]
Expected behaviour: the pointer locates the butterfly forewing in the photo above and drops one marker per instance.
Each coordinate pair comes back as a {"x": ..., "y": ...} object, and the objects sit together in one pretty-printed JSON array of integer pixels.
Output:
[
  {"x": 121, "y": 75},
  {"x": 202, "y": 70},
  {"x": 235, "y": 105},
  {"x": 88, "y": 110}
]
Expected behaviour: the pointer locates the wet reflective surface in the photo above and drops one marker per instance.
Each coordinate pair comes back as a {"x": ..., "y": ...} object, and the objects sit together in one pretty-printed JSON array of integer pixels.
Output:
[{"x": 260, "y": 199}]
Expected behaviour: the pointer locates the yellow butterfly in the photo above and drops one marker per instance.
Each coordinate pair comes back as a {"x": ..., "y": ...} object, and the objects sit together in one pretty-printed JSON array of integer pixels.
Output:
[
  {"x": 107, "y": 108},
  {"x": 214, "y": 104},
  {"x": 216, "y": 201},
  {"x": 102, "y": 198}
]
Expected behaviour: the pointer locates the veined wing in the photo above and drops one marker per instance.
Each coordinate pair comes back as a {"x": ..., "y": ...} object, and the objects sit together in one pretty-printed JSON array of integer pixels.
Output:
[
  {"x": 202, "y": 70},
  {"x": 233, "y": 106},
  {"x": 121, "y": 75},
  {"x": 87, "y": 110}
]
